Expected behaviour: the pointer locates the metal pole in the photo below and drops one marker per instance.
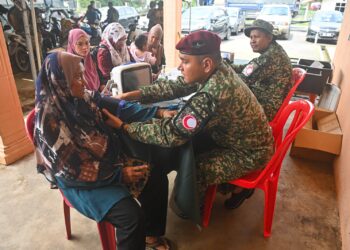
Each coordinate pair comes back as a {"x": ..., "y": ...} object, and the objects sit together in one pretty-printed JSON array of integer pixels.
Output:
[
  {"x": 28, "y": 39},
  {"x": 36, "y": 38},
  {"x": 189, "y": 21}
]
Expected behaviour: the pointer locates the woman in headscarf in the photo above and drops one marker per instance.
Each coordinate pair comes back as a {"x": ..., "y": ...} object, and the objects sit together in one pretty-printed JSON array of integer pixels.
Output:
[
  {"x": 112, "y": 49},
  {"x": 156, "y": 48},
  {"x": 79, "y": 44},
  {"x": 80, "y": 154}
]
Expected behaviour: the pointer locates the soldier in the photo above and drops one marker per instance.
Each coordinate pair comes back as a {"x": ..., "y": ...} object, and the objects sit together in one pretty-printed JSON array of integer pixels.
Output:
[
  {"x": 268, "y": 76},
  {"x": 223, "y": 115}
]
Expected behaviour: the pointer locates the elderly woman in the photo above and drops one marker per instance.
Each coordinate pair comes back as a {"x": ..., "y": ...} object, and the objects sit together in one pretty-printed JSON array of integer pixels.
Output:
[
  {"x": 80, "y": 154},
  {"x": 156, "y": 48},
  {"x": 79, "y": 44},
  {"x": 112, "y": 49}
]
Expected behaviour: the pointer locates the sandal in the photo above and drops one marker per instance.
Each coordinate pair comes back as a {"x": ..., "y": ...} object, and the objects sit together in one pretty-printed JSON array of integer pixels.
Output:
[{"x": 160, "y": 242}]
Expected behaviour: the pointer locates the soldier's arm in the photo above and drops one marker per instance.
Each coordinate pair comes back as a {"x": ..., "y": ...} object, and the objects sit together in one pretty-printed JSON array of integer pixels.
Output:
[
  {"x": 175, "y": 131},
  {"x": 160, "y": 91}
]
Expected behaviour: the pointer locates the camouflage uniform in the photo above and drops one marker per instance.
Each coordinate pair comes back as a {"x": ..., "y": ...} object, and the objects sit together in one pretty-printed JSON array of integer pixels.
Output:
[
  {"x": 269, "y": 77},
  {"x": 235, "y": 121}
]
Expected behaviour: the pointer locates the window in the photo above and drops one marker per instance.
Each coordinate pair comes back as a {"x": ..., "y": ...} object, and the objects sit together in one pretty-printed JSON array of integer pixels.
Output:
[{"x": 340, "y": 7}]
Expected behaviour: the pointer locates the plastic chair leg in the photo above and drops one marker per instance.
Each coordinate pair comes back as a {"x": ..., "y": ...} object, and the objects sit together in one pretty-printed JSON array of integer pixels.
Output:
[
  {"x": 66, "y": 211},
  {"x": 270, "y": 201},
  {"x": 208, "y": 204},
  {"x": 107, "y": 235}
]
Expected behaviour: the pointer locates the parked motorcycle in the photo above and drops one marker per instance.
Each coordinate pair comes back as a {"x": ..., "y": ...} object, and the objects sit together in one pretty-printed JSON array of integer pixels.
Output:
[{"x": 17, "y": 49}]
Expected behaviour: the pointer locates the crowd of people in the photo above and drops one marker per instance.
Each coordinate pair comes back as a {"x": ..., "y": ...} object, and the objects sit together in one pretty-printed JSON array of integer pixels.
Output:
[{"x": 82, "y": 146}]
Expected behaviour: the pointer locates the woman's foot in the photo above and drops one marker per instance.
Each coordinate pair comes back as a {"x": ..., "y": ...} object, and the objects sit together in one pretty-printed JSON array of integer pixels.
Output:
[
  {"x": 237, "y": 199},
  {"x": 158, "y": 243}
]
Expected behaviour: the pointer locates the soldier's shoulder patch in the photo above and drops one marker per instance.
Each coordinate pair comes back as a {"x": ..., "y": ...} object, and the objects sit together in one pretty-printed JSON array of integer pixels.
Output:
[
  {"x": 194, "y": 115},
  {"x": 189, "y": 122},
  {"x": 249, "y": 69}
]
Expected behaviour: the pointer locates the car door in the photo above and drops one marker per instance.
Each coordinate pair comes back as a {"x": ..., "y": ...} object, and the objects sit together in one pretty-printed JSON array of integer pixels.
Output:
[
  {"x": 122, "y": 16},
  {"x": 241, "y": 19},
  {"x": 219, "y": 21}
]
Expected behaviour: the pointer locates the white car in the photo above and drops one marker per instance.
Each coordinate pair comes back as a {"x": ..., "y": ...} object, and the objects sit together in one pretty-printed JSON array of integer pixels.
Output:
[{"x": 279, "y": 16}]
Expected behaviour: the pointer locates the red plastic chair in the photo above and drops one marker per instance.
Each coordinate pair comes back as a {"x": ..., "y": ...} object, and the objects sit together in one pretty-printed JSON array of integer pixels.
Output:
[
  {"x": 106, "y": 230},
  {"x": 298, "y": 76},
  {"x": 267, "y": 178}
]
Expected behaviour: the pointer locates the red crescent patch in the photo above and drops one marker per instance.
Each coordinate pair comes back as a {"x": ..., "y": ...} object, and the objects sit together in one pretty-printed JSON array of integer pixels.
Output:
[
  {"x": 249, "y": 69},
  {"x": 189, "y": 122}
]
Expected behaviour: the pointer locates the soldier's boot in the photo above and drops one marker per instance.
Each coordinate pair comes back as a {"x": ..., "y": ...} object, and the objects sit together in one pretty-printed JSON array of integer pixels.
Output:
[{"x": 237, "y": 199}]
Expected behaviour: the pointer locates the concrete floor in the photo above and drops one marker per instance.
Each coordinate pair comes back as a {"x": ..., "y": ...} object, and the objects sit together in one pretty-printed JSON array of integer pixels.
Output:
[{"x": 306, "y": 215}]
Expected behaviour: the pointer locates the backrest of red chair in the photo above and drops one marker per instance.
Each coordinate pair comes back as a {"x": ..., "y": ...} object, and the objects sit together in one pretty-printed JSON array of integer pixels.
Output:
[
  {"x": 298, "y": 75},
  {"x": 30, "y": 125},
  {"x": 302, "y": 111}
]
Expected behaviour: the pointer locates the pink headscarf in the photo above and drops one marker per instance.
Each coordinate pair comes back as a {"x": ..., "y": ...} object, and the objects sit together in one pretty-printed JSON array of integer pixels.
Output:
[{"x": 90, "y": 73}]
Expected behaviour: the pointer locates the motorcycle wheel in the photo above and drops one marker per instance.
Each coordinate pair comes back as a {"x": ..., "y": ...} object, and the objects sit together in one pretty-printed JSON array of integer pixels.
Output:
[{"x": 22, "y": 59}]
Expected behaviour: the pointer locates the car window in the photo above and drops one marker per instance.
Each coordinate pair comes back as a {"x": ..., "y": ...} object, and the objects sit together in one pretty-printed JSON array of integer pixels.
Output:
[
  {"x": 334, "y": 17},
  {"x": 280, "y": 11},
  {"x": 196, "y": 13},
  {"x": 232, "y": 13},
  {"x": 121, "y": 11},
  {"x": 129, "y": 12},
  {"x": 218, "y": 13}
]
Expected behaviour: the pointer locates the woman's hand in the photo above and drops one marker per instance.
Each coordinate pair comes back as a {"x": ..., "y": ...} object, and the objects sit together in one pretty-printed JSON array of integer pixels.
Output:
[
  {"x": 134, "y": 174},
  {"x": 169, "y": 113},
  {"x": 112, "y": 120},
  {"x": 165, "y": 113}
]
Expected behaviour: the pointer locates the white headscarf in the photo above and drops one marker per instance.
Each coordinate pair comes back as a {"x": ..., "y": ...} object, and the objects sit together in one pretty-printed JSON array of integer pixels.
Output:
[{"x": 113, "y": 32}]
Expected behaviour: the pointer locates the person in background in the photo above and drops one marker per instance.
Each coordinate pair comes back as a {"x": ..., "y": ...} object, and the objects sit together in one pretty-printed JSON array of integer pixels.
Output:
[
  {"x": 229, "y": 130},
  {"x": 268, "y": 76},
  {"x": 156, "y": 48},
  {"x": 112, "y": 50},
  {"x": 138, "y": 50},
  {"x": 92, "y": 15},
  {"x": 79, "y": 44},
  {"x": 160, "y": 14},
  {"x": 112, "y": 14},
  {"x": 133, "y": 33},
  {"x": 151, "y": 15}
]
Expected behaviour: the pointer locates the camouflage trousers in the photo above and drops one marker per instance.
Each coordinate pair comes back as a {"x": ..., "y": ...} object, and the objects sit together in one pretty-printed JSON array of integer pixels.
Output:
[{"x": 219, "y": 166}]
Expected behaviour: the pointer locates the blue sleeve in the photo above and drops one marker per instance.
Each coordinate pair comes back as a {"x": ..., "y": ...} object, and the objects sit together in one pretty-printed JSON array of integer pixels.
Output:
[{"x": 135, "y": 112}]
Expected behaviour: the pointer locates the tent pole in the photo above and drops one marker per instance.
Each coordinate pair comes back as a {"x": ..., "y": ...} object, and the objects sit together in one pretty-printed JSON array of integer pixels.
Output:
[
  {"x": 36, "y": 39},
  {"x": 28, "y": 39}
]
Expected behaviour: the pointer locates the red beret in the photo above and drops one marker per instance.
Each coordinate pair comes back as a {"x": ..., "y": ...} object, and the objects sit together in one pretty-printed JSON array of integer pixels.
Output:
[{"x": 199, "y": 43}]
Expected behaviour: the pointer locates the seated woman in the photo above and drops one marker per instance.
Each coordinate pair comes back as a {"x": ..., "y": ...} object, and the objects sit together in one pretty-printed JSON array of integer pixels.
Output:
[
  {"x": 112, "y": 50},
  {"x": 79, "y": 44},
  {"x": 138, "y": 50},
  {"x": 156, "y": 48},
  {"x": 79, "y": 153}
]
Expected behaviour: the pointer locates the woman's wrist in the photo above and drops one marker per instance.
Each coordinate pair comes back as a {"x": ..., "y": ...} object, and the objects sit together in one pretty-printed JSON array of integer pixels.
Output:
[{"x": 123, "y": 126}]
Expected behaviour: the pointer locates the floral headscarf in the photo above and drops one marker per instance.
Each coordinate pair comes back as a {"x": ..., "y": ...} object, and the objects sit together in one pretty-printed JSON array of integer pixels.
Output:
[
  {"x": 112, "y": 33},
  {"x": 70, "y": 136},
  {"x": 90, "y": 73}
]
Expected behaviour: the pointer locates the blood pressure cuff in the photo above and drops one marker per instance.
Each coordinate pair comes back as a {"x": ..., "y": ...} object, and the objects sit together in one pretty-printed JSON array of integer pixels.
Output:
[{"x": 194, "y": 115}]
